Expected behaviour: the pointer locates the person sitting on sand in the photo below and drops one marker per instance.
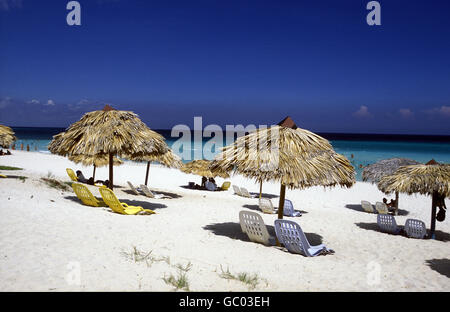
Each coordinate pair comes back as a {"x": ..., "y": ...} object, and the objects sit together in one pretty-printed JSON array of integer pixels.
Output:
[
  {"x": 210, "y": 186},
  {"x": 204, "y": 179},
  {"x": 390, "y": 205},
  {"x": 80, "y": 177}
]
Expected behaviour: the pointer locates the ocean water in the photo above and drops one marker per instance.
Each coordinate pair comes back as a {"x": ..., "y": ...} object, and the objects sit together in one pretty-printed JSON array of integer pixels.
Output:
[{"x": 360, "y": 149}]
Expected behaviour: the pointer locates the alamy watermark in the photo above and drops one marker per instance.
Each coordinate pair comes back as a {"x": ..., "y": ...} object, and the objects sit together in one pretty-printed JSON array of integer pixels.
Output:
[{"x": 74, "y": 15}]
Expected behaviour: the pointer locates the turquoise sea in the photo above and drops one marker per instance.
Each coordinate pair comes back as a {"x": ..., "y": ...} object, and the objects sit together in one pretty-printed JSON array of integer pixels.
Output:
[{"x": 360, "y": 149}]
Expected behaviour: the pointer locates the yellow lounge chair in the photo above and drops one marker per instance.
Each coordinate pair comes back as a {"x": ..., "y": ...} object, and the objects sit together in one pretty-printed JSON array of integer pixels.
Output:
[
  {"x": 225, "y": 186},
  {"x": 86, "y": 196},
  {"x": 2, "y": 176},
  {"x": 74, "y": 178},
  {"x": 72, "y": 175},
  {"x": 111, "y": 200}
]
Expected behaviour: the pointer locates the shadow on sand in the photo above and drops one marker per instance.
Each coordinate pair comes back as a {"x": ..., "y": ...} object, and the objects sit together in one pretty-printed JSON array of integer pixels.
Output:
[
  {"x": 8, "y": 176},
  {"x": 358, "y": 207},
  {"x": 233, "y": 231},
  {"x": 143, "y": 204},
  {"x": 265, "y": 195},
  {"x": 440, "y": 236},
  {"x": 256, "y": 208},
  {"x": 167, "y": 195},
  {"x": 442, "y": 266}
]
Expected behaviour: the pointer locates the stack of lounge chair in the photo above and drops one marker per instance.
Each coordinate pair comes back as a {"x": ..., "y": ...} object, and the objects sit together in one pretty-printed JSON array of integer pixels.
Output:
[{"x": 242, "y": 191}]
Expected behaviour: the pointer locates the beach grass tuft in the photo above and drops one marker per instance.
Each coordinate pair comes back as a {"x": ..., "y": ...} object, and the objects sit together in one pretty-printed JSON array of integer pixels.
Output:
[
  {"x": 56, "y": 184},
  {"x": 137, "y": 255},
  {"x": 252, "y": 280},
  {"x": 178, "y": 282}
]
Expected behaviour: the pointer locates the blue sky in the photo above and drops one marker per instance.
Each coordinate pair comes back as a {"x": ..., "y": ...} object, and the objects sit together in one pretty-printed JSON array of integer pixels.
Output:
[{"x": 234, "y": 61}]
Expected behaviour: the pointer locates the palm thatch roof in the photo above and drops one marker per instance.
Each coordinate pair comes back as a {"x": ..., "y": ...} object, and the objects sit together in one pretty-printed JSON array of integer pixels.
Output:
[
  {"x": 295, "y": 157},
  {"x": 429, "y": 179},
  {"x": 95, "y": 160},
  {"x": 423, "y": 179},
  {"x": 6, "y": 136},
  {"x": 168, "y": 159},
  {"x": 202, "y": 168},
  {"x": 108, "y": 131},
  {"x": 374, "y": 172}
]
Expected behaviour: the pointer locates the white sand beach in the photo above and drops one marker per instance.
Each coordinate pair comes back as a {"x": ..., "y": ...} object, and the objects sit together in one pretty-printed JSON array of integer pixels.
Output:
[{"x": 47, "y": 236}]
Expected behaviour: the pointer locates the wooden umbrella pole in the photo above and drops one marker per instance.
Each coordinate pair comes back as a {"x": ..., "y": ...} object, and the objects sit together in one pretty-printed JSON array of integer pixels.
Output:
[
  {"x": 93, "y": 174},
  {"x": 146, "y": 174},
  {"x": 281, "y": 203},
  {"x": 111, "y": 183},
  {"x": 260, "y": 189},
  {"x": 396, "y": 203},
  {"x": 433, "y": 215}
]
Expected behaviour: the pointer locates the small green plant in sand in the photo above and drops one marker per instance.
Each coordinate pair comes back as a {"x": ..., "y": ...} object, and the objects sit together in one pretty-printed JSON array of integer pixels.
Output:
[
  {"x": 137, "y": 255},
  {"x": 9, "y": 168},
  {"x": 252, "y": 280},
  {"x": 21, "y": 178},
  {"x": 180, "y": 281},
  {"x": 56, "y": 184}
]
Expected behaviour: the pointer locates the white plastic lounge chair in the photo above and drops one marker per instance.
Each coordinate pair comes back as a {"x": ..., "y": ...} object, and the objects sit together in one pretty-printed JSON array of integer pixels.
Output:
[
  {"x": 266, "y": 206},
  {"x": 381, "y": 208},
  {"x": 133, "y": 189},
  {"x": 245, "y": 193},
  {"x": 290, "y": 235},
  {"x": 387, "y": 224},
  {"x": 253, "y": 225},
  {"x": 237, "y": 190},
  {"x": 149, "y": 193},
  {"x": 367, "y": 206},
  {"x": 415, "y": 228},
  {"x": 289, "y": 211}
]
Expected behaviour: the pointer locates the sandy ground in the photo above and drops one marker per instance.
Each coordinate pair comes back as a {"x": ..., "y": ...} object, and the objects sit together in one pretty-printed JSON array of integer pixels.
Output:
[{"x": 49, "y": 241}]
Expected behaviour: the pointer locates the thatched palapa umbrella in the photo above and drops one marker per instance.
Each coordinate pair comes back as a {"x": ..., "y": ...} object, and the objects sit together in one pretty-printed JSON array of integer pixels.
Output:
[
  {"x": 374, "y": 172},
  {"x": 295, "y": 157},
  {"x": 111, "y": 132},
  {"x": 202, "y": 168},
  {"x": 99, "y": 160},
  {"x": 168, "y": 159},
  {"x": 430, "y": 179},
  {"x": 6, "y": 136}
]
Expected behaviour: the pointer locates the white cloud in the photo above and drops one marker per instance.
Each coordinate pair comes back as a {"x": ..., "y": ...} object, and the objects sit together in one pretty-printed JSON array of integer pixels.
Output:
[
  {"x": 34, "y": 101},
  {"x": 406, "y": 113},
  {"x": 50, "y": 103},
  {"x": 444, "y": 111},
  {"x": 363, "y": 111}
]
